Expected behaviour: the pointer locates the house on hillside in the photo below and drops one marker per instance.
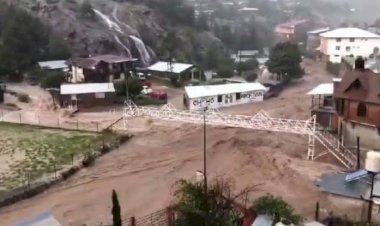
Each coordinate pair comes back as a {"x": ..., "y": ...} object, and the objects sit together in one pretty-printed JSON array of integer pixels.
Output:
[
  {"x": 180, "y": 71},
  {"x": 357, "y": 103},
  {"x": 291, "y": 31},
  {"x": 84, "y": 95},
  {"x": 313, "y": 40},
  {"x": 348, "y": 42},
  {"x": 102, "y": 68},
  {"x": 244, "y": 55}
]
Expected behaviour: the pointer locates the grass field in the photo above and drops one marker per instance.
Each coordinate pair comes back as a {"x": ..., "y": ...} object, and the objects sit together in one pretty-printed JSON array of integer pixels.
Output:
[{"x": 28, "y": 153}]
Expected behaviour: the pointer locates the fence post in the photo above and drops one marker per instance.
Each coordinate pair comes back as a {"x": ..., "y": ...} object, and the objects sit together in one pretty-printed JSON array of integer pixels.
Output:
[
  {"x": 38, "y": 118},
  {"x": 77, "y": 124},
  {"x": 28, "y": 178},
  {"x": 170, "y": 216},
  {"x": 20, "y": 117},
  {"x": 58, "y": 125},
  {"x": 2, "y": 116},
  {"x": 133, "y": 221},
  {"x": 55, "y": 170},
  {"x": 317, "y": 212},
  {"x": 97, "y": 127},
  {"x": 72, "y": 159}
]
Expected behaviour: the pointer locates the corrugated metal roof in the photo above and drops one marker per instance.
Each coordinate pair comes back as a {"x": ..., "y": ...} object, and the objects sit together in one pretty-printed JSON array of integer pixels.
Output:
[
  {"x": 322, "y": 89},
  {"x": 318, "y": 31},
  {"x": 81, "y": 88},
  {"x": 349, "y": 32},
  {"x": 53, "y": 64},
  {"x": 214, "y": 90},
  {"x": 173, "y": 67}
]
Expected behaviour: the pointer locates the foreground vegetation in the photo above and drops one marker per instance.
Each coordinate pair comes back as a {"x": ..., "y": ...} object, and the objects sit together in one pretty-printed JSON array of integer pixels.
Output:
[{"x": 28, "y": 153}]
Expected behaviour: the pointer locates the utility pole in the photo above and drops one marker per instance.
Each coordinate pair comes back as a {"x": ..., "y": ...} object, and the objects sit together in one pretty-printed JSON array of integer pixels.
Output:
[
  {"x": 204, "y": 151},
  {"x": 126, "y": 81}
]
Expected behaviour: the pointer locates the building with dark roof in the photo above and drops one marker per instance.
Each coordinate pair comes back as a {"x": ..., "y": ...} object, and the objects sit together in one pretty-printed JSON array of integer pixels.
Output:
[
  {"x": 102, "y": 68},
  {"x": 357, "y": 102}
]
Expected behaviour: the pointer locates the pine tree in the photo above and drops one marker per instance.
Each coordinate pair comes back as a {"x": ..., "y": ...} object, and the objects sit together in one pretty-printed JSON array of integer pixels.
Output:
[{"x": 116, "y": 214}]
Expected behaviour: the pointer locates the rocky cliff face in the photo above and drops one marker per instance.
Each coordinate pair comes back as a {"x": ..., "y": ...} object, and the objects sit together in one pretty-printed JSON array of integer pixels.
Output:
[{"x": 117, "y": 27}]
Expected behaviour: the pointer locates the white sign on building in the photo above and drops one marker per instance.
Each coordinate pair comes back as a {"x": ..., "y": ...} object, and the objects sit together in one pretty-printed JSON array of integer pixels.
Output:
[{"x": 217, "y": 96}]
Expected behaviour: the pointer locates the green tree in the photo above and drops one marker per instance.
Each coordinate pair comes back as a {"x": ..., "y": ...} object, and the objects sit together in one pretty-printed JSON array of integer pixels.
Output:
[
  {"x": 57, "y": 48},
  {"x": 24, "y": 42},
  {"x": 277, "y": 208},
  {"x": 248, "y": 65},
  {"x": 116, "y": 214},
  {"x": 134, "y": 88},
  {"x": 284, "y": 60},
  {"x": 195, "y": 206},
  {"x": 51, "y": 79},
  {"x": 86, "y": 9}
]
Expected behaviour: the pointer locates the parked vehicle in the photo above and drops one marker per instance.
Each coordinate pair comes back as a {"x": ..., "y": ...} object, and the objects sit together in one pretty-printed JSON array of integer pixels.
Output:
[{"x": 159, "y": 94}]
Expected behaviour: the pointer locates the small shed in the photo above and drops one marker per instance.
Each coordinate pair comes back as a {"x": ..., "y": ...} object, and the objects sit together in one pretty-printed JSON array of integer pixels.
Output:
[
  {"x": 322, "y": 105},
  {"x": 82, "y": 95},
  {"x": 181, "y": 71},
  {"x": 217, "y": 96}
]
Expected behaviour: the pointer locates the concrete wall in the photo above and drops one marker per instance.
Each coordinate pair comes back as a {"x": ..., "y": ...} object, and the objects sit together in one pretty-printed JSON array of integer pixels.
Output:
[
  {"x": 369, "y": 136},
  {"x": 77, "y": 74},
  {"x": 359, "y": 47},
  {"x": 226, "y": 100}
]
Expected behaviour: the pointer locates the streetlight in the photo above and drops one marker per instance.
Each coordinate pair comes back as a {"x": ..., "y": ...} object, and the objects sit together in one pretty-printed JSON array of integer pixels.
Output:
[
  {"x": 372, "y": 165},
  {"x": 204, "y": 150}
]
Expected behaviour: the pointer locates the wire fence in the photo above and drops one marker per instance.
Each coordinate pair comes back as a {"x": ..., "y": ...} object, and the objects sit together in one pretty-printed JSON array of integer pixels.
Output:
[
  {"x": 164, "y": 217},
  {"x": 53, "y": 121}
]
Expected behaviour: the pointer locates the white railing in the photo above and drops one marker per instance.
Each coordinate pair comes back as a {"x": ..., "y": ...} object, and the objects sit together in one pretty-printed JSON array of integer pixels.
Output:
[{"x": 260, "y": 121}]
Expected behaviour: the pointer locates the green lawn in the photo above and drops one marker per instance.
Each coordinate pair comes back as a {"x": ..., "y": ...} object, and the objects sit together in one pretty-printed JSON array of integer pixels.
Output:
[{"x": 28, "y": 152}]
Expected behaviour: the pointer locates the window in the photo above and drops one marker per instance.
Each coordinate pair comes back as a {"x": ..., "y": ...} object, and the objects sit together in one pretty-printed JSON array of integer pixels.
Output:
[
  {"x": 100, "y": 95},
  {"x": 338, "y": 39},
  {"x": 340, "y": 106},
  {"x": 352, "y": 40},
  {"x": 220, "y": 98},
  {"x": 237, "y": 96},
  {"x": 337, "y": 47},
  {"x": 362, "y": 110},
  {"x": 348, "y": 48}
]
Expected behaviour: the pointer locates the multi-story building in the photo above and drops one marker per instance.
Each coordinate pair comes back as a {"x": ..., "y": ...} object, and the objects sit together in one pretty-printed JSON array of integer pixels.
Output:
[{"x": 348, "y": 42}]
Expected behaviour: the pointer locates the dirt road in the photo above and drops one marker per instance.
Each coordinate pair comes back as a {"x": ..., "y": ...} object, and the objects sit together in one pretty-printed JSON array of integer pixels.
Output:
[{"x": 144, "y": 171}]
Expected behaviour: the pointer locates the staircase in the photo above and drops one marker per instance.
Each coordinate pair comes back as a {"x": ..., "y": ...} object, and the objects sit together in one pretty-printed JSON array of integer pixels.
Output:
[{"x": 345, "y": 156}]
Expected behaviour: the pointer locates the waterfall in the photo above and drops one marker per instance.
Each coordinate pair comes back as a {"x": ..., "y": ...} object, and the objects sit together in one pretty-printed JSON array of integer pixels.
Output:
[
  {"x": 145, "y": 58},
  {"x": 109, "y": 22},
  {"x": 117, "y": 39},
  {"x": 145, "y": 54},
  {"x": 130, "y": 30}
]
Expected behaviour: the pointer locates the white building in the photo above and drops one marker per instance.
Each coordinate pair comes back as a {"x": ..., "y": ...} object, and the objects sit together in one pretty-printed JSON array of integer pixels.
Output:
[
  {"x": 344, "y": 42},
  {"x": 217, "y": 96}
]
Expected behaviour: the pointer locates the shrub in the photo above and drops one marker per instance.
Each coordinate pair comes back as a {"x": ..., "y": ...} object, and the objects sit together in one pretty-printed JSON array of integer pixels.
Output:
[
  {"x": 333, "y": 68},
  {"x": 225, "y": 72},
  {"x": 251, "y": 77},
  {"x": 89, "y": 159},
  {"x": 146, "y": 100},
  {"x": 52, "y": 79},
  {"x": 23, "y": 97},
  {"x": 174, "y": 82},
  {"x": 277, "y": 208}
]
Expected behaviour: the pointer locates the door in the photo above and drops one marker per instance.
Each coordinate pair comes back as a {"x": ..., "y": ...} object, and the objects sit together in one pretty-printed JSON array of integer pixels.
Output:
[{"x": 228, "y": 99}]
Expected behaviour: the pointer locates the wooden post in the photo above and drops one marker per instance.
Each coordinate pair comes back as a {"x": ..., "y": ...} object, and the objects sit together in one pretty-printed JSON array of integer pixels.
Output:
[
  {"x": 170, "y": 216},
  {"x": 133, "y": 221},
  {"x": 58, "y": 125},
  {"x": 77, "y": 124},
  {"x": 97, "y": 127},
  {"x": 357, "y": 153},
  {"x": 20, "y": 117},
  {"x": 317, "y": 212}
]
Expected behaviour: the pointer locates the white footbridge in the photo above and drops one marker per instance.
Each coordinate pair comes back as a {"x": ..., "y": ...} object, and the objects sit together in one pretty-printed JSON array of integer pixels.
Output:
[{"x": 260, "y": 121}]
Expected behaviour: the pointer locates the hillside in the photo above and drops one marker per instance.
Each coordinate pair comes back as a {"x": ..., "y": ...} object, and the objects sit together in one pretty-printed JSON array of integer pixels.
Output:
[{"x": 141, "y": 29}]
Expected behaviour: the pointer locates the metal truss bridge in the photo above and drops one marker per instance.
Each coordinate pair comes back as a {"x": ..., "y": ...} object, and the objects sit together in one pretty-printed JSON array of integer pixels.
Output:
[{"x": 260, "y": 121}]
